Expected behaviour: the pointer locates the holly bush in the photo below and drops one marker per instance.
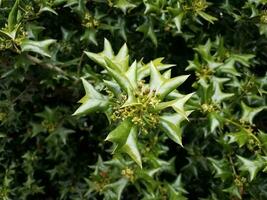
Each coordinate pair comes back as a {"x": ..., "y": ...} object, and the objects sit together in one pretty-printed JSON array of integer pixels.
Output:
[{"x": 142, "y": 128}]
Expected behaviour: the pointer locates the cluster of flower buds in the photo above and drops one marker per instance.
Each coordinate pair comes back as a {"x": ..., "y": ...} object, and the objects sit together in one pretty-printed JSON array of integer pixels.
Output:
[
  {"x": 142, "y": 113},
  {"x": 128, "y": 173}
]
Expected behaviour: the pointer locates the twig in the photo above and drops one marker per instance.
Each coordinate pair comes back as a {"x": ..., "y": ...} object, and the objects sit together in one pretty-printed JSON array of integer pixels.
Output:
[
  {"x": 232, "y": 164},
  {"x": 48, "y": 66},
  {"x": 80, "y": 64}
]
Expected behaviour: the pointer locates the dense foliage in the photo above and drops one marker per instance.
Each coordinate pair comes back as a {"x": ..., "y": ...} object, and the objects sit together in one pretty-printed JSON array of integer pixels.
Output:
[{"x": 145, "y": 129}]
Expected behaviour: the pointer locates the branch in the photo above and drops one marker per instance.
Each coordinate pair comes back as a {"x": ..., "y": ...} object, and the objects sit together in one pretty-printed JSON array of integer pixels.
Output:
[{"x": 48, "y": 66}]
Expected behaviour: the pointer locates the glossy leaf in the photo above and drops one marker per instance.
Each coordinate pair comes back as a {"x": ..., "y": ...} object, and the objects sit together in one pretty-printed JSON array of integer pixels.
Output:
[
  {"x": 241, "y": 137},
  {"x": 147, "y": 29},
  {"x": 13, "y": 15},
  {"x": 164, "y": 86},
  {"x": 170, "y": 124},
  {"x": 249, "y": 112},
  {"x": 92, "y": 101},
  {"x": 118, "y": 187},
  {"x": 124, "y": 139},
  {"x": 144, "y": 70},
  {"x": 40, "y": 47},
  {"x": 124, "y": 5},
  {"x": 222, "y": 168},
  {"x": 252, "y": 166}
]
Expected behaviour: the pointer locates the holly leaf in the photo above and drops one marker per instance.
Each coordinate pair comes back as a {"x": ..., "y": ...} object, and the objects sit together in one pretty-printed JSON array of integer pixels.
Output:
[
  {"x": 99, "y": 57},
  {"x": 47, "y": 9},
  {"x": 252, "y": 166},
  {"x": 218, "y": 95},
  {"x": 178, "y": 185},
  {"x": 214, "y": 121},
  {"x": 222, "y": 169},
  {"x": 12, "y": 17},
  {"x": 131, "y": 74},
  {"x": 248, "y": 113},
  {"x": 177, "y": 104},
  {"x": 240, "y": 137},
  {"x": 40, "y": 47},
  {"x": 126, "y": 83},
  {"x": 162, "y": 85},
  {"x": 117, "y": 187},
  {"x": 144, "y": 70},
  {"x": 124, "y": 139},
  {"x": 130, "y": 147},
  {"x": 124, "y": 5},
  {"x": 121, "y": 60},
  {"x": 241, "y": 58},
  {"x": 147, "y": 29},
  {"x": 178, "y": 21},
  {"x": 10, "y": 34},
  {"x": 62, "y": 133},
  {"x": 170, "y": 124},
  {"x": 233, "y": 190},
  {"x": 92, "y": 101},
  {"x": 207, "y": 17},
  {"x": 89, "y": 36},
  {"x": 229, "y": 67}
]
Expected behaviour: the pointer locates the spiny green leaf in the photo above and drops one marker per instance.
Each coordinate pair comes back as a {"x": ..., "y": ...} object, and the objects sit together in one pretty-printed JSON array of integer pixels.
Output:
[
  {"x": 122, "y": 79},
  {"x": 108, "y": 51},
  {"x": 99, "y": 57},
  {"x": 253, "y": 167},
  {"x": 155, "y": 78},
  {"x": 90, "y": 37},
  {"x": 233, "y": 190},
  {"x": 121, "y": 60},
  {"x": 222, "y": 168},
  {"x": 113, "y": 87},
  {"x": 131, "y": 74},
  {"x": 163, "y": 86},
  {"x": 248, "y": 113},
  {"x": 229, "y": 67},
  {"x": 241, "y": 137},
  {"x": 175, "y": 195},
  {"x": 40, "y": 47},
  {"x": 92, "y": 101},
  {"x": 170, "y": 124},
  {"x": 204, "y": 50},
  {"x": 147, "y": 29},
  {"x": 218, "y": 95},
  {"x": 178, "y": 21},
  {"x": 177, "y": 104},
  {"x": 144, "y": 70},
  {"x": 47, "y": 9},
  {"x": 13, "y": 15},
  {"x": 124, "y": 5},
  {"x": 207, "y": 17},
  {"x": 170, "y": 84},
  {"x": 131, "y": 148},
  {"x": 214, "y": 121},
  {"x": 167, "y": 74},
  {"x": 151, "y": 8},
  {"x": 263, "y": 138},
  {"x": 120, "y": 134},
  {"x": 62, "y": 133},
  {"x": 178, "y": 184},
  {"x": 124, "y": 139},
  {"x": 242, "y": 58},
  {"x": 96, "y": 58},
  {"x": 117, "y": 187},
  {"x": 10, "y": 34}
]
